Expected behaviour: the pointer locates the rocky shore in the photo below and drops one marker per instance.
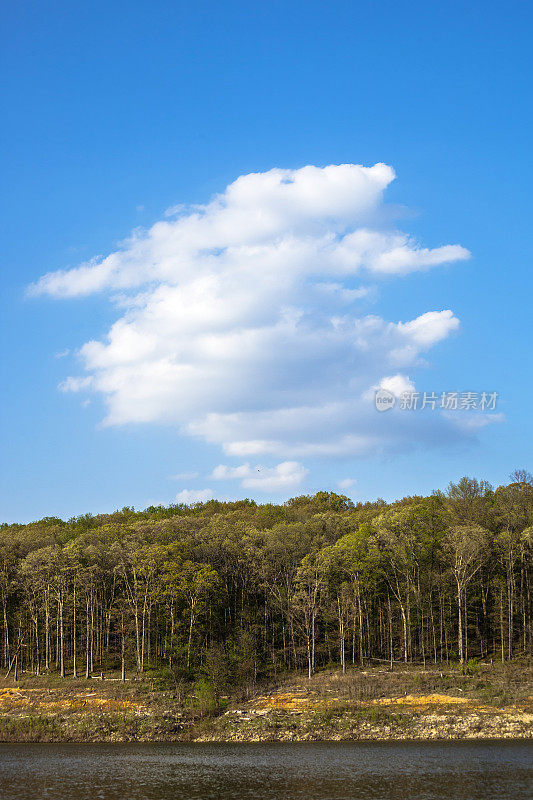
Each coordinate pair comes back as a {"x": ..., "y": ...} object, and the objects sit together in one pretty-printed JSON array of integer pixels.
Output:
[{"x": 410, "y": 717}]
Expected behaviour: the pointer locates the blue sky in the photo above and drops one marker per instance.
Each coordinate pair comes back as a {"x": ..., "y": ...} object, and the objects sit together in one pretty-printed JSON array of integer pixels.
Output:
[{"x": 115, "y": 112}]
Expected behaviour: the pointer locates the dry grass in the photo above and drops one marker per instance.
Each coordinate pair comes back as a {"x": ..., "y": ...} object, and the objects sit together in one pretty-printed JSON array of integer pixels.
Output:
[{"x": 499, "y": 684}]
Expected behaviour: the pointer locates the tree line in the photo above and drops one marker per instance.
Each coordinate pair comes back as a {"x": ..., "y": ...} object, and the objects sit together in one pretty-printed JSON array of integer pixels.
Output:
[{"x": 258, "y": 589}]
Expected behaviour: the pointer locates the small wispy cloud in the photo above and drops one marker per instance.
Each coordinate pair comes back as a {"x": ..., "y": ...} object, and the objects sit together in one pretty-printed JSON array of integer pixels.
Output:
[
  {"x": 285, "y": 475},
  {"x": 347, "y": 483},
  {"x": 184, "y": 476},
  {"x": 76, "y": 384}
]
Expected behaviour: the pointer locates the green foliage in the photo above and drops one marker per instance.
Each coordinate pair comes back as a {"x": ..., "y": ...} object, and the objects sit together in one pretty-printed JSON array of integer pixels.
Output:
[
  {"x": 473, "y": 666},
  {"x": 204, "y": 698},
  {"x": 218, "y": 595}
]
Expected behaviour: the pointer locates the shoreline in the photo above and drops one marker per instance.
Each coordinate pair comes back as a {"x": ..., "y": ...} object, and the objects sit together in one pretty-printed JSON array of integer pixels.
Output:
[
  {"x": 483, "y": 737},
  {"x": 358, "y": 724}
]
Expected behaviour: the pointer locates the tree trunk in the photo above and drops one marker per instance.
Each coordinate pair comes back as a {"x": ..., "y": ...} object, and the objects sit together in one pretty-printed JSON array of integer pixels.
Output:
[
  {"x": 6, "y": 636},
  {"x": 87, "y": 642},
  {"x": 191, "y": 624},
  {"x": 47, "y": 629},
  {"x": 342, "y": 635},
  {"x": 61, "y": 638},
  {"x": 122, "y": 651},
  {"x": 74, "y": 654},
  {"x": 391, "y": 646},
  {"x": 460, "y": 622},
  {"x": 309, "y": 658},
  {"x": 313, "y": 615}
]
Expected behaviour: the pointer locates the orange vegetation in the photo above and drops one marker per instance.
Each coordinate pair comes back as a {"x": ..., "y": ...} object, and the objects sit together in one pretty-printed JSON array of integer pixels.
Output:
[
  {"x": 421, "y": 700},
  {"x": 35, "y": 699}
]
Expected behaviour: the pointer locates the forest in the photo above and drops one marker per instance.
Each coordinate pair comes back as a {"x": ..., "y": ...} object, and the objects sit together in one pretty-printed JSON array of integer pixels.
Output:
[{"x": 239, "y": 591}]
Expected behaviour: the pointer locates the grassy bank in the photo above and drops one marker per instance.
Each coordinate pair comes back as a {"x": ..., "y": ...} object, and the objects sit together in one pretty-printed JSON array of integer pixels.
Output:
[{"x": 484, "y": 701}]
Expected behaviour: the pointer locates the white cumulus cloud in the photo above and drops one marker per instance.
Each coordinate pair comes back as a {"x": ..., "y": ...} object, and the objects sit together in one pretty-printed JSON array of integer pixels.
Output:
[
  {"x": 286, "y": 475},
  {"x": 241, "y": 321},
  {"x": 189, "y": 496}
]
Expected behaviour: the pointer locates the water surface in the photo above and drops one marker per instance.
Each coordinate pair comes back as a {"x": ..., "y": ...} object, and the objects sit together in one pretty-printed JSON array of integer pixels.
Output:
[{"x": 307, "y": 771}]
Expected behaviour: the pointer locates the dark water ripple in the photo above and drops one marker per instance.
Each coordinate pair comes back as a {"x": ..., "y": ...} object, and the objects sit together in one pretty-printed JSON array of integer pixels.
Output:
[{"x": 313, "y": 771}]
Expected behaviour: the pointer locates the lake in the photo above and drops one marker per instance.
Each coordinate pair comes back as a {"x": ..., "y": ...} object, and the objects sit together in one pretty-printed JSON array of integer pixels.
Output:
[{"x": 310, "y": 771}]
